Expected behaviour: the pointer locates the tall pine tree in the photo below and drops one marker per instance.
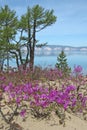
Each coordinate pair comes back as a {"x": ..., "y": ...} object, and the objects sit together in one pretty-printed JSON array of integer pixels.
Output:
[
  {"x": 8, "y": 22},
  {"x": 35, "y": 20}
]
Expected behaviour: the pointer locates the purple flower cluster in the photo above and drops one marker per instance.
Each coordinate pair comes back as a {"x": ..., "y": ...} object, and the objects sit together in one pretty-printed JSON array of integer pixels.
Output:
[
  {"x": 53, "y": 74},
  {"x": 43, "y": 97},
  {"x": 77, "y": 69}
]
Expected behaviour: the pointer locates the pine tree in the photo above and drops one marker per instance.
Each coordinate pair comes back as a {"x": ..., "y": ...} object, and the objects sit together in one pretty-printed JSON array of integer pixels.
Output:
[
  {"x": 62, "y": 63},
  {"x": 8, "y": 22},
  {"x": 32, "y": 22},
  {"x": 16, "y": 34}
]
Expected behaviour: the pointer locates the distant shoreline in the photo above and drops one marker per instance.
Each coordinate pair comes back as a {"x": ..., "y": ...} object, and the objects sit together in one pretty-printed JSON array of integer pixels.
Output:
[
  {"x": 67, "y": 46},
  {"x": 55, "y": 49}
]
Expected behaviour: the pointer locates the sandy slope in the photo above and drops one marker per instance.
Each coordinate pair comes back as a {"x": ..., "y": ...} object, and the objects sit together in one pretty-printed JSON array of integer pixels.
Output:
[
  {"x": 74, "y": 123},
  {"x": 71, "y": 123}
]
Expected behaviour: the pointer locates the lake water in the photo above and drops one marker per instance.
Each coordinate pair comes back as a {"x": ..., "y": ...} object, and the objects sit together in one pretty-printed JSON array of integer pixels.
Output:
[{"x": 73, "y": 58}]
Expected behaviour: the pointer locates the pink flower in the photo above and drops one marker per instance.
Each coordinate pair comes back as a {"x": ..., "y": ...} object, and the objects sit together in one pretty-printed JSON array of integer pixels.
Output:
[
  {"x": 22, "y": 113},
  {"x": 25, "y": 97},
  {"x": 77, "y": 69},
  {"x": 18, "y": 100},
  {"x": 7, "y": 88}
]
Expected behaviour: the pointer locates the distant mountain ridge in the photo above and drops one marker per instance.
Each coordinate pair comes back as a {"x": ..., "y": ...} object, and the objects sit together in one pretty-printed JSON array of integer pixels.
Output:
[
  {"x": 55, "y": 49},
  {"x": 68, "y": 47}
]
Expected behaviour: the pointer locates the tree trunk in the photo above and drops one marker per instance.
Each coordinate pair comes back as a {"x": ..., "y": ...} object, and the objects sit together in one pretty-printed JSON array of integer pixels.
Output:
[
  {"x": 1, "y": 65},
  {"x": 7, "y": 61},
  {"x": 31, "y": 59},
  {"x": 17, "y": 61},
  {"x": 20, "y": 56},
  {"x": 32, "y": 47}
]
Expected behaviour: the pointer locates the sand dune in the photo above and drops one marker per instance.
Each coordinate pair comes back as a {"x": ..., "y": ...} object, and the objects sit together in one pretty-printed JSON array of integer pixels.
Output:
[{"x": 71, "y": 123}]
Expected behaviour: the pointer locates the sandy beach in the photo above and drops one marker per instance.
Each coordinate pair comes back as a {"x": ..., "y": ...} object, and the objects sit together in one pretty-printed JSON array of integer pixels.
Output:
[{"x": 72, "y": 122}]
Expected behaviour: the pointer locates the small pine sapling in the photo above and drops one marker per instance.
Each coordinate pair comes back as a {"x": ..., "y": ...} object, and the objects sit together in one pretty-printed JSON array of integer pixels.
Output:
[{"x": 62, "y": 63}]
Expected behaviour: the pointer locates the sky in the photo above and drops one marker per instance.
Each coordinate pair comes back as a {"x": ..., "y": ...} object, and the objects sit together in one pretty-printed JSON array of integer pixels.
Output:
[{"x": 70, "y": 27}]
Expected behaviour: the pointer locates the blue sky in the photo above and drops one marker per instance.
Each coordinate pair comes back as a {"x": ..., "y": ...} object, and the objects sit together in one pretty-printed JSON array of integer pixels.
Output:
[{"x": 71, "y": 25}]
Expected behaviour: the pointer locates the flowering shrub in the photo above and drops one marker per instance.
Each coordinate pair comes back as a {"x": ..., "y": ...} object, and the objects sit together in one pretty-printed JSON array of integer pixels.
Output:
[
  {"x": 78, "y": 77},
  {"x": 42, "y": 97},
  {"x": 39, "y": 98},
  {"x": 77, "y": 69},
  {"x": 53, "y": 74}
]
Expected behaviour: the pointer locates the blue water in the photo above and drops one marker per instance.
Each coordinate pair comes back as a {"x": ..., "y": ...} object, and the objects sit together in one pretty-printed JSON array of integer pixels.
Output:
[{"x": 73, "y": 58}]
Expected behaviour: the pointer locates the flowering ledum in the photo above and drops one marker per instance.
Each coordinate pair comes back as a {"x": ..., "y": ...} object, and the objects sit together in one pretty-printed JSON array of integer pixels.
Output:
[
  {"x": 41, "y": 96},
  {"x": 77, "y": 69},
  {"x": 23, "y": 112}
]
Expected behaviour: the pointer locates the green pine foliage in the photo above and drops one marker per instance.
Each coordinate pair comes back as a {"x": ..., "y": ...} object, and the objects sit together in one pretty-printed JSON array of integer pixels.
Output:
[
  {"x": 8, "y": 22},
  {"x": 17, "y": 34},
  {"x": 62, "y": 63}
]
